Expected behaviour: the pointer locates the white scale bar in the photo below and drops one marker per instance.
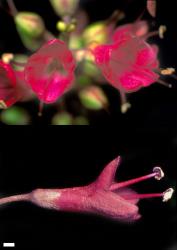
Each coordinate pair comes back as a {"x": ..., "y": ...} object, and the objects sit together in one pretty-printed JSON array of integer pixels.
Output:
[{"x": 8, "y": 244}]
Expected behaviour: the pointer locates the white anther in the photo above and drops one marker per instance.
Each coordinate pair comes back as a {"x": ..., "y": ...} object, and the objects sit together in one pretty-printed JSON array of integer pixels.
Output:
[
  {"x": 159, "y": 173},
  {"x": 168, "y": 194}
]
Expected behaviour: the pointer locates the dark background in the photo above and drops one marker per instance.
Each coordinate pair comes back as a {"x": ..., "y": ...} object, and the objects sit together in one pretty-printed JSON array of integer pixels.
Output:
[
  {"x": 62, "y": 157},
  {"x": 66, "y": 157}
]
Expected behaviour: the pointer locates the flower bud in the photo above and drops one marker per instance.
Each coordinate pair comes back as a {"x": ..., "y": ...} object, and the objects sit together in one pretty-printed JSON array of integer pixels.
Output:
[
  {"x": 93, "y": 97},
  {"x": 29, "y": 24},
  {"x": 31, "y": 28},
  {"x": 64, "y": 7},
  {"x": 97, "y": 32}
]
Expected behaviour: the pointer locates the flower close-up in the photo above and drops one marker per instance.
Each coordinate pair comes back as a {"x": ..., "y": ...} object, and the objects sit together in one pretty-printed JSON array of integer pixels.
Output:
[
  {"x": 129, "y": 63},
  {"x": 103, "y": 197},
  {"x": 50, "y": 71}
]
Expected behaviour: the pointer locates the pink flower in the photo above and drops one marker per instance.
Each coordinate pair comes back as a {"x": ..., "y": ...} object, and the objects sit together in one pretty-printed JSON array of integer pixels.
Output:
[
  {"x": 12, "y": 86},
  {"x": 104, "y": 196},
  {"x": 130, "y": 63},
  {"x": 125, "y": 32},
  {"x": 50, "y": 71}
]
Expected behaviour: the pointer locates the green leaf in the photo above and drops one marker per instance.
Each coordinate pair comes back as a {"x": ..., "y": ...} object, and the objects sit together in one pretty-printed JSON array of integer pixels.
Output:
[
  {"x": 15, "y": 116},
  {"x": 80, "y": 120},
  {"x": 90, "y": 69},
  {"x": 62, "y": 119}
]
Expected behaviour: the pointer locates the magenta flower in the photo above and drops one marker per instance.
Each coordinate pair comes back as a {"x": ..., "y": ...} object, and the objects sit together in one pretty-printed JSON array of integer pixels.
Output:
[
  {"x": 130, "y": 63},
  {"x": 125, "y": 32},
  {"x": 50, "y": 71},
  {"x": 12, "y": 86},
  {"x": 103, "y": 197}
]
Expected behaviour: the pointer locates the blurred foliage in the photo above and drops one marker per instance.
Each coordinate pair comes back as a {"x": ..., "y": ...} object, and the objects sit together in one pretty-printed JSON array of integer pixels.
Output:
[
  {"x": 64, "y": 118},
  {"x": 15, "y": 116}
]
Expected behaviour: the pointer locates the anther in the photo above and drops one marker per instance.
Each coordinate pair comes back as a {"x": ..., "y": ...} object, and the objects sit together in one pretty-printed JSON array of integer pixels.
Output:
[
  {"x": 162, "y": 30},
  {"x": 168, "y": 194},
  {"x": 159, "y": 173},
  {"x": 7, "y": 57},
  {"x": 2, "y": 105},
  {"x": 167, "y": 71}
]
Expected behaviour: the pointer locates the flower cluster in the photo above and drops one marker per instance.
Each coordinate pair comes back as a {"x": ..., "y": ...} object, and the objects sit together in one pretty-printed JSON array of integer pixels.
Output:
[{"x": 121, "y": 54}]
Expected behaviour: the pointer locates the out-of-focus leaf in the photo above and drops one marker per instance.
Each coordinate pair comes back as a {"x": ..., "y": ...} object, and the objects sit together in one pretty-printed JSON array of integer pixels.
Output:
[
  {"x": 90, "y": 69},
  {"x": 63, "y": 118},
  {"x": 75, "y": 42},
  {"x": 15, "y": 116},
  {"x": 83, "y": 80},
  {"x": 80, "y": 120},
  {"x": 93, "y": 97}
]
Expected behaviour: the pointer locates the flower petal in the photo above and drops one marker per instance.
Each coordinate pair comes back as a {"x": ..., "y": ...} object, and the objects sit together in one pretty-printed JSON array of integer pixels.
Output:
[
  {"x": 106, "y": 177},
  {"x": 127, "y": 194}
]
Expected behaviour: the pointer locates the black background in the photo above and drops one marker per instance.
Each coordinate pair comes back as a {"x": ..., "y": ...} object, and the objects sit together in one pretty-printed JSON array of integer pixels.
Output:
[
  {"x": 66, "y": 157},
  {"x": 62, "y": 157}
]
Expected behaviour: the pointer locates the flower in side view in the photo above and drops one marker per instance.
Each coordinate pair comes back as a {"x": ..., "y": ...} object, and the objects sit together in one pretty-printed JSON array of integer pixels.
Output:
[
  {"x": 12, "y": 86},
  {"x": 104, "y": 196},
  {"x": 50, "y": 71}
]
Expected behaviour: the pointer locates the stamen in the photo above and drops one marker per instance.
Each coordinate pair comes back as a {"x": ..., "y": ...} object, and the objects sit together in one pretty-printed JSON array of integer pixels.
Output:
[
  {"x": 166, "y": 195},
  {"x": 162, "y": 30},
  {"x": 167, "y": 71},
  {"x": 157, "y": 174},
  {"x": 125, "y": 105},
  {"x": 151, "y": 34},
  {"x": 2, "y": 105},
  {"x": 164, "y": 83},
  {"x": 7, "y": 57},
  {"x": 41, "y": 106}
]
